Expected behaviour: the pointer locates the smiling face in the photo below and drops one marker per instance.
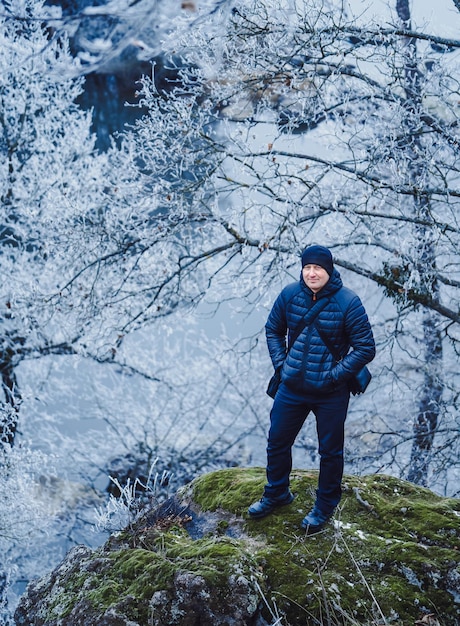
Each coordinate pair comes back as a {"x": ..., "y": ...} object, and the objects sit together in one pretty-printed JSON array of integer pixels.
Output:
[{"x": 314, "y": 277}]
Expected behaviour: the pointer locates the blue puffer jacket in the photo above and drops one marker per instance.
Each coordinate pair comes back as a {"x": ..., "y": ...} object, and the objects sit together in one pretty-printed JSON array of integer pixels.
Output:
[{"x": 309, "y": 366}]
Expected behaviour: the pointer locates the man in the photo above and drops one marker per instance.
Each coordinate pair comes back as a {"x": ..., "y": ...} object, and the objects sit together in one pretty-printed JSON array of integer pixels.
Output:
[{"x": 312, "y": 380}]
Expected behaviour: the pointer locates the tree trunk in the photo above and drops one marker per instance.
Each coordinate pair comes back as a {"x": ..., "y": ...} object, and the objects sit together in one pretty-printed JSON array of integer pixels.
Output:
[
  {"x": 9, "y": 413},
  {"x": 426, "y": 422},
  {"x": 429, "y": 406}
]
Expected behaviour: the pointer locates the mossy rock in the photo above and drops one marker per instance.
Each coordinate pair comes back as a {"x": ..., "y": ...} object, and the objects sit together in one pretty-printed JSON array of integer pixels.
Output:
[{"x": 390, "y": 556}]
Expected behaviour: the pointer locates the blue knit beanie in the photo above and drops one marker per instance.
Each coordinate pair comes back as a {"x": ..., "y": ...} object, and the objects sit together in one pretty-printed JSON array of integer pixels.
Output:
[{"x": 318, "y": 255}]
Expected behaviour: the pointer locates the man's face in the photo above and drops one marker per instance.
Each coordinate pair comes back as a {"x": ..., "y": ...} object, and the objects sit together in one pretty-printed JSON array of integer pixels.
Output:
[{"x": 315, "y": 277}]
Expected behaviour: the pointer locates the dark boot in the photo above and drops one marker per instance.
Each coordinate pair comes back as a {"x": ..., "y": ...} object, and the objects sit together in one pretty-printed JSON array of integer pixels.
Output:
[
  {"x": 267, "y": 505},
  {"x": 315, "y": 521}
]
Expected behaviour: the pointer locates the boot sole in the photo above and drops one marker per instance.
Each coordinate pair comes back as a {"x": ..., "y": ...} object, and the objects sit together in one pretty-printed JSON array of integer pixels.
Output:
[{"x": 312, "y": 530}]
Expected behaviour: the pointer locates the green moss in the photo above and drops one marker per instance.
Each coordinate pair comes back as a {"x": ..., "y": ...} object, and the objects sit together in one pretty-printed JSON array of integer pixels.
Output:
[
  {"x": 389, "y": 549},
  {"x": 130, "y": 581},
  {"x": 228, "y": 489},
  {"x": 390, "y": 542},
  {"x": 64, "y": 601},
  {"x": 134, "y": 575},
  {"x": 223, "y": 526}
]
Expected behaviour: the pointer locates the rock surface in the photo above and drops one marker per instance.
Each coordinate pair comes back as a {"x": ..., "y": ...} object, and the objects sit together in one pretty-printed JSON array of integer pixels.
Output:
[{"x": 390, "y": 556}]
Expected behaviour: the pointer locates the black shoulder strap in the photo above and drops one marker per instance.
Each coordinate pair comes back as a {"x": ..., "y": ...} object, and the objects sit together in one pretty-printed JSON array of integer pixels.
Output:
[{"x": 308, "y": 318}]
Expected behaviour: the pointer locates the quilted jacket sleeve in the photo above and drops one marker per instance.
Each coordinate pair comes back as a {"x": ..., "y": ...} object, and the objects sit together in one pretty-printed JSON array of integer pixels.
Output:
[
  {"x": 360, "y": 338},
  {"x": 276, "y": 330}
]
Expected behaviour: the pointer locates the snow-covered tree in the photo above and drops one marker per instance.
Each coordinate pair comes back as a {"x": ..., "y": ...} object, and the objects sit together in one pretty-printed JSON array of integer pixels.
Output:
[
  {"x": 90, "y": 257},
  {"x": 298, "y": 124},
  {"x": 303, "y": 123},
  {"x": 82, "y": 253},
  {"x": 48, "y": 183}
]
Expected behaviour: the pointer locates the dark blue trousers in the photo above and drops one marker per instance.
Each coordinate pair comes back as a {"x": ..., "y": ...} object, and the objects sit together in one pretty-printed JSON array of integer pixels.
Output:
[{"x": 289, "y": 412}]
